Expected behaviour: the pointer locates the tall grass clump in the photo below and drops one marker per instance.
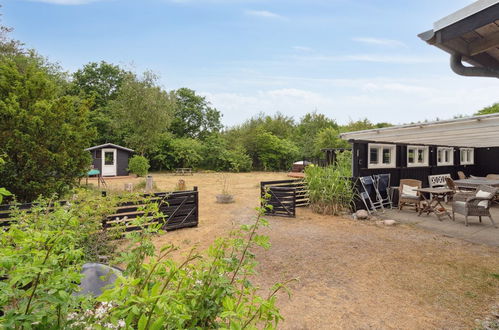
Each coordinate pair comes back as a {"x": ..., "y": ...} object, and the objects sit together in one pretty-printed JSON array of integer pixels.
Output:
[{"x": 331, "y": 190}]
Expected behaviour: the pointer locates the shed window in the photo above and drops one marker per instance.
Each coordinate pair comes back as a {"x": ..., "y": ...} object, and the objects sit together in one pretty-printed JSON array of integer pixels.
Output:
[
  {"x": 467, "y": 156},
  {"x": 445, "y": 156},
  {"x": 417, "y": 156},
  {"x": 381, "y": 155}
]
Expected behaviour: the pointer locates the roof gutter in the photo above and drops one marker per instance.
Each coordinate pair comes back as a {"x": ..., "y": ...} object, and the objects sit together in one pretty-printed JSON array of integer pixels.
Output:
[{"x": 457, "y": 66}]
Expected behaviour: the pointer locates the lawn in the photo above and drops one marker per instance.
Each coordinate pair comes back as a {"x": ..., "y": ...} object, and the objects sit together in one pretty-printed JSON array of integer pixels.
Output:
[{"x": 352, "y": 274}]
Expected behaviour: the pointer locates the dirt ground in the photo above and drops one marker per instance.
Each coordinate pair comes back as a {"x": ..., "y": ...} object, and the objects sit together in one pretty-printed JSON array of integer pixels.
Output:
[{"x": 352, "y": 274}]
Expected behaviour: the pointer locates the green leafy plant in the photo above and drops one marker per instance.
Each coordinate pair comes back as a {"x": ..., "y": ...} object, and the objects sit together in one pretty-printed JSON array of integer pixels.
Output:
[
  {"x": 138, "y": 165},
  {"x": 4, "y": 193},
  {"x": 42, "y": 252},
  {"x": 331, "y": 190}
]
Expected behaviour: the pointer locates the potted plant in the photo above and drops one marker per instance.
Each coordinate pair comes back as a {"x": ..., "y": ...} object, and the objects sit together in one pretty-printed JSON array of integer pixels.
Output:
[{"x": 225, "y": 197}]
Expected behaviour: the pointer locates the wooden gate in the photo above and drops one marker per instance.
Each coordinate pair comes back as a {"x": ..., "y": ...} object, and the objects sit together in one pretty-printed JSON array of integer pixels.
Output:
[
  {"x": 284, "y": 196},
  {"x": 180, "y": 208}
]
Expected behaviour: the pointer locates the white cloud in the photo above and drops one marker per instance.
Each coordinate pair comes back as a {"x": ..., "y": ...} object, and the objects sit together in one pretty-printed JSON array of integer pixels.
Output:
[
  {"x": 374, "y": 58},
  {"x": 378, "y": 99},
  {"x": 262, "y": 13},
  {"x": 66, "y": 2},
  {"x": 302, "y": 48},
  {"x": 380, "y": 41}
]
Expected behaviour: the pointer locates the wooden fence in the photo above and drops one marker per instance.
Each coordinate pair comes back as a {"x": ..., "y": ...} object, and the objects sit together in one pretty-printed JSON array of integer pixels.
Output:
[
  {"x": 180, "y": 208},
  {"x": 285, "y": 196}
]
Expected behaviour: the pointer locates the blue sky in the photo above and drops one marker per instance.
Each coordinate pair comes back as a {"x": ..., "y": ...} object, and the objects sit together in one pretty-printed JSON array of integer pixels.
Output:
[{"x": 348, "y": 59}]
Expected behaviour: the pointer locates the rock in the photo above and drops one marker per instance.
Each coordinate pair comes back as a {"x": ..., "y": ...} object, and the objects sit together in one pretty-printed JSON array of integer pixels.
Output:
[
  {"x": 362, "y": 214},
  {"x": 389, "y": 222}
]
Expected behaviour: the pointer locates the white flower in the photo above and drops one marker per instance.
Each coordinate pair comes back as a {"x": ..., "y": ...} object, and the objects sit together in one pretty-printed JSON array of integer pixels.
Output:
[
  {"x": 121, "y": 323},
  {"x": 199, "y": 282},
  {"x": 100, "y": 312},
  {"x": 72, "y": 316},
  {"x": 110, "y": 326},
  {"x": 88, "y": 313}
]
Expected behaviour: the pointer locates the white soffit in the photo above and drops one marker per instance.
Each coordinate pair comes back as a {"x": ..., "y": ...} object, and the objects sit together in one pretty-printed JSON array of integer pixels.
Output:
[{"x": 477, "y": 132}]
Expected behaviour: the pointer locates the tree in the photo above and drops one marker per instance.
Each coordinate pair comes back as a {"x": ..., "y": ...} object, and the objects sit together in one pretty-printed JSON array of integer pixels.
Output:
[
  {"x": 100, "y": 83},
  {"x": 329, "y": 138},
  {"x": 141, "y": 112},
  {"x": 187, "y": 152},
  {"x": 488, "y": 110},
  {"x": 308, "y": 129},
  {"x": 42, "y": 132},
  {"x": 194, "y": 117}
]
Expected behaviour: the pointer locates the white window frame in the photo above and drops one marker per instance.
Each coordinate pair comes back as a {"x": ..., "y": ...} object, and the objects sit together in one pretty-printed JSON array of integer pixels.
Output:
[
  {"x": 416, "y": 162},
  {"x": 469, "y": 156},
  {"x": 450, "y": 160},
  {"x": 379, "y": 163}
]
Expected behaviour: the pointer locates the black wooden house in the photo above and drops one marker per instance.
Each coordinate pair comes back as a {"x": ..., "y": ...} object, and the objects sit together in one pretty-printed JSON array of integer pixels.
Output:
[
  {"x": 110, "y": 159},
  {"x": 417, "y": 151}
]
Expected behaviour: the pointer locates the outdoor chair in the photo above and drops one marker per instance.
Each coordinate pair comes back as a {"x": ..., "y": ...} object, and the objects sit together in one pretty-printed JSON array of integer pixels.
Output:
[
  {"x": 407, "y": 194},
  {"x": 476, "y": 204},
  {"x": 370, "y": 194},
  {"x": 452, "y": 186},
  {"x": 382, "y": 182},
  {"x": 460, "y": 175}
]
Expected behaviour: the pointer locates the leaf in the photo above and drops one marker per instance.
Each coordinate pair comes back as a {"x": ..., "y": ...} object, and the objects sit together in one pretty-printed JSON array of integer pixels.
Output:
[{"x": 142, "y": 322}]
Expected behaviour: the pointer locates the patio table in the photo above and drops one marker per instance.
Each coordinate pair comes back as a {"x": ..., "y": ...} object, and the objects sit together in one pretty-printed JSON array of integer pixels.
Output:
[
  {"x": 433, "y": 203},
  {"x": 473, "y": 183}
]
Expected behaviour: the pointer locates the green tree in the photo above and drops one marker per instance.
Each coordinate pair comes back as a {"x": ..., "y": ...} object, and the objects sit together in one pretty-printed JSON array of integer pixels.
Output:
[
  {"x": 329, "y": 138},
  {"x": 488, "y": 110},
  {"x": 273, "y": 153},
  {"x": 100, "y": 83},
  {"x": 194, "y": 118},
  {"x": 42, "y": 132},
  {"x": 308, "y": 129},
  {"x": 141, "y": 112},
  {"x": 187, "y": 152}
]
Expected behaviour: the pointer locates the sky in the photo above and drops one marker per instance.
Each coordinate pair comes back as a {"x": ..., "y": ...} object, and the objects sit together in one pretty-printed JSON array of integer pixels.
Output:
[{"x": 347, "y": 59}]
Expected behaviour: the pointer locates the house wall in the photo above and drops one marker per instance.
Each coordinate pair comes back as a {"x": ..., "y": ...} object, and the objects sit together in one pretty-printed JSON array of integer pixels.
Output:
[
  {"x": 122, "y": 158},
  {"x": 97, "y": 159},
  {"x": 488, "y": 160},
  {"x": 401, "y": 171}
]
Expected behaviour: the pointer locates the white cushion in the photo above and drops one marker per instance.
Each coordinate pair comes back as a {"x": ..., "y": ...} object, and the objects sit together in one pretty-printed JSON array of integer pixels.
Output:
[
  {"x": 409, "y": 190},
  {"x": 483, "y": 194}
]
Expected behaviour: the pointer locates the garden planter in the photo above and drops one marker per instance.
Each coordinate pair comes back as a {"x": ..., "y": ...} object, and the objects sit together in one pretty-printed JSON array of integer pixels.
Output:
[{"x": 225, "y": 199}]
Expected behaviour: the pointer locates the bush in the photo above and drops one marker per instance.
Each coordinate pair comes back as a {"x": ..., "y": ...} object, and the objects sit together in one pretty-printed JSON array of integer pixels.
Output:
[
  {"x": 138, "y": 165},
  {"x": 331, "y": 190},
  {"x": 41, "y": 255}
]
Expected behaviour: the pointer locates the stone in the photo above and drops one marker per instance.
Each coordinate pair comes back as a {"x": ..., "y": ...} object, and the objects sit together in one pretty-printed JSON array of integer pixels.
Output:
[
  {"x": 362, "y": 214},
  {"x": 389, "y": 222}
]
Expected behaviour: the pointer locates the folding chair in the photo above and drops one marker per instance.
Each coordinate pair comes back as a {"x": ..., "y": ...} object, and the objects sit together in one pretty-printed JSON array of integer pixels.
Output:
[
  {"x": 370, "y": 192},
  {"x": 382, "y": 183}
]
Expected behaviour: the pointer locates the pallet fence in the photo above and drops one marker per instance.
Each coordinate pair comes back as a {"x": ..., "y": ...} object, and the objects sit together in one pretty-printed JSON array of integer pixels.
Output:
[{"x": 285, "y": 196}]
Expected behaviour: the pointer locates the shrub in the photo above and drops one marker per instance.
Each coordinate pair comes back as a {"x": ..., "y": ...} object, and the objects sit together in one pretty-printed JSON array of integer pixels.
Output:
[
  {"x": 138, "y": 165},
  {"x": 331, "y": 190},
  {"x": 237, "y": 161},
  {"x": 42, "y": 252}
]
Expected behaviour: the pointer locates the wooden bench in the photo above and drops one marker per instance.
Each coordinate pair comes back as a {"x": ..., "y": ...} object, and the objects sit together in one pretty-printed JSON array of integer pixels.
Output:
[{"x": 183, "y": 171}]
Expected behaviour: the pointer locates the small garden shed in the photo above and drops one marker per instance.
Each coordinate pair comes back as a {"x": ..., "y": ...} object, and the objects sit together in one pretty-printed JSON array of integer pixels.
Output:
[{"x": 110, "y": 159}]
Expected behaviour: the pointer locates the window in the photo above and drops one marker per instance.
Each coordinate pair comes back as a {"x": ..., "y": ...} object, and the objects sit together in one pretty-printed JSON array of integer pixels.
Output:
[
  {"x": 381, "y": 155},
  {"x": 417, "y": 156},
  {"x": 445, "y": 156},
  {"x": 467, "y": 156}
]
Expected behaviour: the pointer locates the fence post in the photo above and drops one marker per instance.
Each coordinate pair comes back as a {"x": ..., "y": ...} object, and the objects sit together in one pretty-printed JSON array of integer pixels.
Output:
[
  {"x": 196, "y": 202},
  {"x": 149, "y": 184}
]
